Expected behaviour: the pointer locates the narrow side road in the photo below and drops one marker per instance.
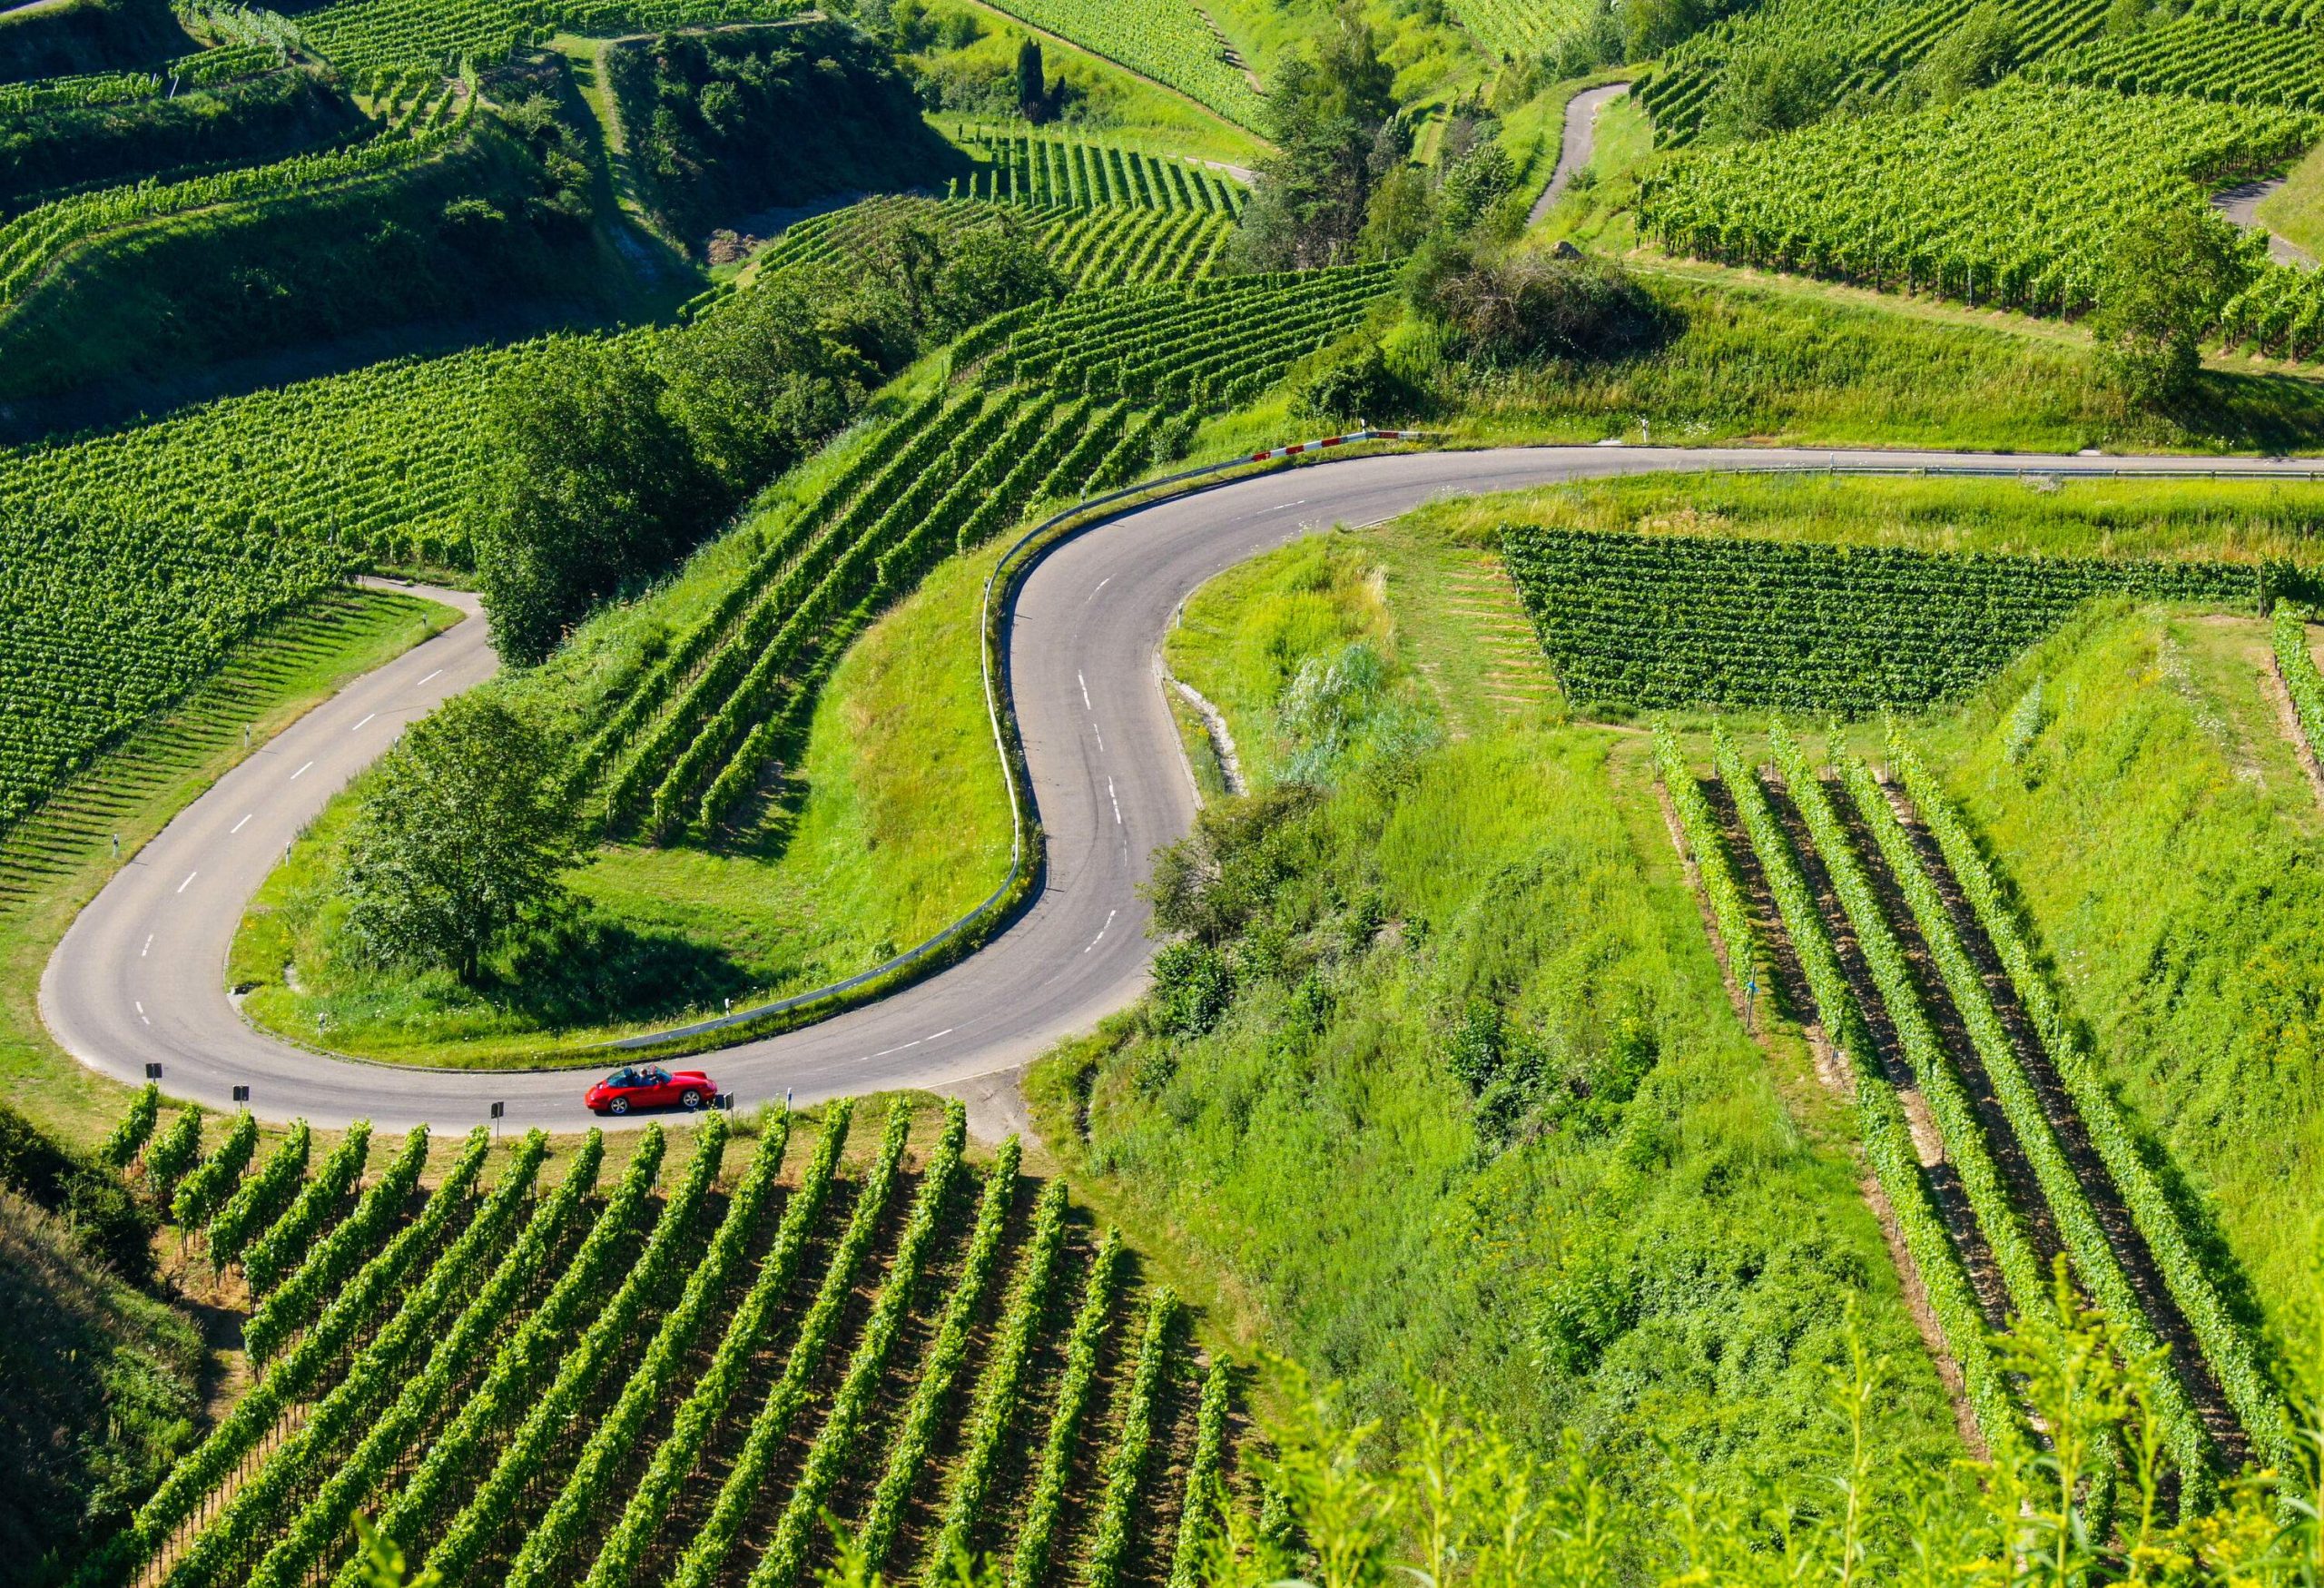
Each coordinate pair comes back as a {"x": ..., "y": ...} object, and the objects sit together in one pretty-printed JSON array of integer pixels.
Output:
[
  {"x": 140, "y": 977},
  {"x": 1579, "y": 143}
]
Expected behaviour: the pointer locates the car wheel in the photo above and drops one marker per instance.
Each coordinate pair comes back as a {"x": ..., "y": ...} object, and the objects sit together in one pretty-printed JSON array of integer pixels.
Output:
[
  {"x": 692, "y": 1100},
  {"x": 618, "y": 1106}
]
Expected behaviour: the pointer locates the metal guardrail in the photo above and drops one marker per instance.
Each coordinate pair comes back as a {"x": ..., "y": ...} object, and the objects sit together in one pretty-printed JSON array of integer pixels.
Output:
[{"x": 995, "y": 902}]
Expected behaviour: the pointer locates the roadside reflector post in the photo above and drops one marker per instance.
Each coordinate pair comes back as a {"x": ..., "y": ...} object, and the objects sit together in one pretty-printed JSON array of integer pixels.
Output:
[
  {"x": 152, "y": 1072},
  {"x": 497, "y": 1110},
  {"x": 242, "y": 1094}
]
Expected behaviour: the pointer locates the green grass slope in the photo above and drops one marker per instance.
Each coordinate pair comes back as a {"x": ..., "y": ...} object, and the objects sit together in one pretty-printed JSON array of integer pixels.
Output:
[
  {"x": 99, "y": 1394},
  {"x": 1476, "y": 1110},
  {"x": 2133, "y": 780}
]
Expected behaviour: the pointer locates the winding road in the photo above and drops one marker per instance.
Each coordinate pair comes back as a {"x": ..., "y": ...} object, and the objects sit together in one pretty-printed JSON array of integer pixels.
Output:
[{"x": 140, "y": 977}]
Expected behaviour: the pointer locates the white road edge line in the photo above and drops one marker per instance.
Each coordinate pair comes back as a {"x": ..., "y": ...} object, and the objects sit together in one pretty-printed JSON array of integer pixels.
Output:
[{"x": 238, "y": 827}]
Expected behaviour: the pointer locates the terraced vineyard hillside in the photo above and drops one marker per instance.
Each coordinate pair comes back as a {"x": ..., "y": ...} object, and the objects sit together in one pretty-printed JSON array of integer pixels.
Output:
[
  {"x": 1866, "y": 899},
  {"x": 671, "y": 1377}
]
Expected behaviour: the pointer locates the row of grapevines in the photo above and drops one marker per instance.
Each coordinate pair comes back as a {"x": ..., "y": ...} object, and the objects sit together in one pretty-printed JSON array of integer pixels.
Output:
[
  {"x": 2234, "y": 1358},
  {"x": 2209, "y": 58},
  {"x": 1133, "y": 1452},
  {"x": 651, "y": 1501},
  {"x": 32, "y": 243},
  {"x": 1888, "y": 1138},
  {"x": 1076, "y": 1386},
  {"x": 911, "y": 1450},
  {"x": 878, "y": 466},
  {"x": 1205, "y": 1498},
  {"x": 704, "y": 1561},
  {"x": 202, "y": 69},
  {"x": 346, "y": 1248},
  {"x": 274, "y": 1496},
  {"x": 173, "y": 1153},
  {"x": 1660, "y": 621},
  {"x": 2013, "y": 196},
  {"x": 2094, "y": 1259},
  {"x": 366, "y": 34},
  {"x": 1873, "y": 45},
  {"x": 2280, "y": 311},
  {"x": 1001, "y": 1393},
  {"x": 261, "y": 1199},
  {"x": 2297, "y": 665},
  {"x": 293, "y": 1236},
  {"x": 1700, "y": 829},
  {"x": 836, "y": 1444},
  {"x": 1049, "y": 168},
  {"x": 1169, "y": 40},
  {"x": 526, "y": 1363},
  {"x": 492, "y": 1507},
  {"x": 594, "y": 1478},
  {"x": 206, "y": 1190},
  {"x": 136, "y": 1128},
  {"x": 1999, "y": 1219},
  {"x": 290, "y": 1381},
  {"x": 323, "y": 1521}
]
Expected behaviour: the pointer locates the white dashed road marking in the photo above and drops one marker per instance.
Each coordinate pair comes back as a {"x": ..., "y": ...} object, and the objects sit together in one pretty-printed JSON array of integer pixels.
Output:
[
  {"x": 189, "y": 881},
  {"x": 301, "y": 772},
  {"x": 359, "y": 726},
  {"x": 1085, "y": 693},
  {"x": 1094, "y": 941},
  {"x": 1117, "y": 804},
  {"x": 429, "y": 675},
  {"x": 238, "y": 827},
  {"x": 148, "y": 948}
]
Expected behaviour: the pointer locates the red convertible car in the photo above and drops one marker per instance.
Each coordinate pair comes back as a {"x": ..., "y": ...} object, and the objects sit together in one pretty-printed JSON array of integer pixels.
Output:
[{"x": 651, "y": 1087}]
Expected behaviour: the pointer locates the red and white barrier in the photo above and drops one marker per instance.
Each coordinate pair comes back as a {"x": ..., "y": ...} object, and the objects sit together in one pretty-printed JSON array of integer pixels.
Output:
[{"x": 1298, "y": 446}]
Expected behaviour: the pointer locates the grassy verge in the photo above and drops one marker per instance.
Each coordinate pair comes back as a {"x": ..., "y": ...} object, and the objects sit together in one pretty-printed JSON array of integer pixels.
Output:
[
  {"x": 2294, "y": 211},
  {"x": 2133, "y": 780},
  {"x": 1765, "y": 362},
  {"x": 1476, "y": 1109},
  {"x": 58, "y": 859},
  {"x": 1102, "y": 99}
]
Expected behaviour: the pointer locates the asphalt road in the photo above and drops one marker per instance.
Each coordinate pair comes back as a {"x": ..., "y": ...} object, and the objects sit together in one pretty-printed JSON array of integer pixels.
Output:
[{"x": 139, "y": 976}]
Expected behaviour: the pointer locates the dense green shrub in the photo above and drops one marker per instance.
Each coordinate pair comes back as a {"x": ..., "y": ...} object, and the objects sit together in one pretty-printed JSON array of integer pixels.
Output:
[{"x": 102, "y": 1214}]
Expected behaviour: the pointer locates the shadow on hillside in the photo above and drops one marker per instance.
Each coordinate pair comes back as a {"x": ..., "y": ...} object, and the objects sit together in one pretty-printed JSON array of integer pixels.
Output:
[{"x": 591, "y": 970}]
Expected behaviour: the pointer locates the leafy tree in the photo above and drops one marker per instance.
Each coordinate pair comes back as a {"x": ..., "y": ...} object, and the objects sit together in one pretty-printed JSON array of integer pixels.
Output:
[
  {"x": 1192, "y": 989},
  {"x": 1652, "y": 26},
  {"x": 1476, "y": 183},
  {"x": 461, "y": 835},
  {"x": 2170, "y": 273},
  {"x": 1772, "y": 90},
  {"x": 593, "y": 485},
  {"x": 1361, "y": 388},
  {"x": 986, "y": 270},
  {"x": 1032, "y": 82},
  {"x": 758, "y": 385},
  {"x": 1976, "y": 53},
  {"x": 1334, "y": 119},
  {"x": 1501, "y": 307}
]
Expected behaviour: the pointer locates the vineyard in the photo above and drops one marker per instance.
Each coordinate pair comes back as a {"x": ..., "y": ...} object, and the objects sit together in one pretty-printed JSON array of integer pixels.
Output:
[
  {"x": 673, "y": 1375},
  {"x": 2203, "y": 56},
  {"x": 2009, "y": 197},
  {"x": 364, "y": 35},
  {"x": 1662, "y": 621},
  {"x": 697, "y": 731},
  {"x": 1876, "y": 46},
  {"x": 1995, "y": 1140},
  {"x": 274, "y": 497},
  {"x": 1514, "y": 29},
  {"x": 36, "y": 242},
  {"x": 1043, "y": 168},
  {"x": 1166, "y": 40}
]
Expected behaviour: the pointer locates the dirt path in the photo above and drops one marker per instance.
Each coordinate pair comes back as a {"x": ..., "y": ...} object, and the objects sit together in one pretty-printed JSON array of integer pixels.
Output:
[{"x": 1579, "y": 143}]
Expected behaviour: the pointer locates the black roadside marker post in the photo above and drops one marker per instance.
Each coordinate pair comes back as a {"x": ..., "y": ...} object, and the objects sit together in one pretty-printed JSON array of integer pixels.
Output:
[
  {"x": 242, "y": 1094},
  {"x": 152, "y": 1072},
  {"x": 497, "y": 1110}
]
